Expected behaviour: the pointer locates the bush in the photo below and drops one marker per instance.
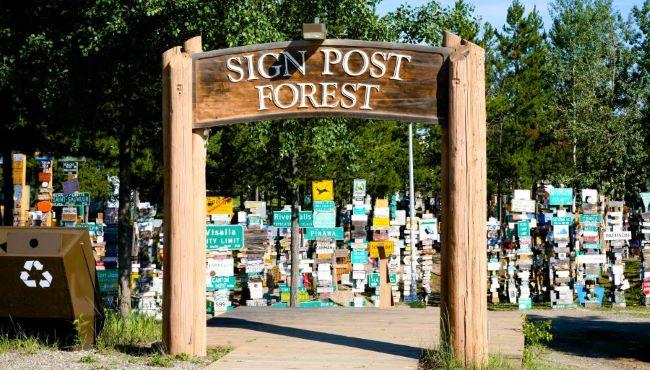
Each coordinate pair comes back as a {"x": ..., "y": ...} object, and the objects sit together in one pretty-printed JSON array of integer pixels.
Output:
[
  {"x": 129, "y": 331},
  {"x": 537, "y": 333}
]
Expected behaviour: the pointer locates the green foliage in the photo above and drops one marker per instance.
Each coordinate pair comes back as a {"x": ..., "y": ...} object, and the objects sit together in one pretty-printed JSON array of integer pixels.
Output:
[
  {"x": 160, "y": 360},
  {"x": 22, "y": 343},
  {"x": 134, "y": 330},
  {"x": 537, "y": 333},
  {"x": 87, "y": 359}
]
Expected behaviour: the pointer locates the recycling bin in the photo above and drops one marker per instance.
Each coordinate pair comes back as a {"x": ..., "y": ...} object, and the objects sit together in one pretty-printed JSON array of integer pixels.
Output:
[{"x": 49, "y": 282}]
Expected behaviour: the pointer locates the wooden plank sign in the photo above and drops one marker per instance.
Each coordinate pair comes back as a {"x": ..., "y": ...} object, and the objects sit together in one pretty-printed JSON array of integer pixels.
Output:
[{"x": 309, "y": 79}]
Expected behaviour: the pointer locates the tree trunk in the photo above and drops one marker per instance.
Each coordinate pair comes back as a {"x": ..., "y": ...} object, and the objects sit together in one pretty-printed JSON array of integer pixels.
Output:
[
  {"x": 8, "y": 186},
  {"x": 295, "y": 238},
  {"x": 125, "y": 232}
]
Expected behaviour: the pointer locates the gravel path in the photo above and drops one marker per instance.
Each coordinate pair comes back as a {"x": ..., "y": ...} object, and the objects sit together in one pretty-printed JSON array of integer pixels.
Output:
[{"x": 73, "y": 360}]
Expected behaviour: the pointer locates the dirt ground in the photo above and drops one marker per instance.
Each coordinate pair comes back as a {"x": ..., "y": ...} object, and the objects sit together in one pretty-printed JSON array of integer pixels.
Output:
[{"x": 598, "y": 339}]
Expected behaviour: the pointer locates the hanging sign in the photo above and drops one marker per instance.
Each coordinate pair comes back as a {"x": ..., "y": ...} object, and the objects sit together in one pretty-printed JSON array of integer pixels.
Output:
[
  {"x": 220, "y": 282},
  {"x": 375, "y": 246},
  {"x": 224, "y": 237},
  {"x": 359, "y": 255},
  {"x": 618, "y": 235},
  {"x": 523, "y": 228},
  {"x": 322, "y": 190},
  {"x": 324, "y": 206},
  {"x": 589, "y": 219},
  {"x": 69, "y": 214},
  {"x": 314, "y": 233},
  {"x": 561, "y": 196},
  {"x": 70, "y": 167},
  {"x": 359, "y": 188},
  {"x": 71, "y": 186},
  {"x": 107, "y": 280},
  {"x": 282, "y": 219},
  {"x": 305, "y": 219},
  {"x": 74, "y": 199},
  {"x": 561, "y": 221},
  {"x": 219, "y": 205},
  {"x": 523, "y": 205},
  {"x": 324, "y": 219},
  {"x": 324, "y": 78}
]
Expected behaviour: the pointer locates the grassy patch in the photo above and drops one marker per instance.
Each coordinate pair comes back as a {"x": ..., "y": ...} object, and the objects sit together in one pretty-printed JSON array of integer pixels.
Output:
[
  {"x": 87, "y": 359},
  {"x": 537, "y": 335},
  {"x": 22, "y": 344},
  {"x": 160, "y": 360},
  {"x": 129, "y": 333},
  {"x": 443, "y": 358}
]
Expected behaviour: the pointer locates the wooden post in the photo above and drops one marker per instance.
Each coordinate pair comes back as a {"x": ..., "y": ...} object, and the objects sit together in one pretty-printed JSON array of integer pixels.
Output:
[
  {"x": 385, "y": 291},
  {"x": 464, "y": 262},
  {"x": 180, "y": 295},
  {"x": 199, "y": 152}
]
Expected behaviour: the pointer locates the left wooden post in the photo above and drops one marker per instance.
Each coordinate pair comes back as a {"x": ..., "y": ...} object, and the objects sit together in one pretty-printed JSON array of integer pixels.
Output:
[{"x": 183, "y": 296}]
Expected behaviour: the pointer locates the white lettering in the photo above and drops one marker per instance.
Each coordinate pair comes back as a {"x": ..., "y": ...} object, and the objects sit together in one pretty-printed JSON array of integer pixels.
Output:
[
  {"x": 327, "y": 94},
  {"x": 309, "y": 95},
  {"x": 294, "y": 97},
  {"x": 398, "y": 63},
  {"x": 251, "y": 68},
  {"x": 349, "y": 94},
  {"x": 235, "y": 68},
  {"x": 346, "y": 62},
  {"x": 263, "y": 71},
  {"x": 262, "y": 97},
  {"x": 328, "y": 61},
  {"x": 376, "y": 62},
  {"x": 366, "y": 104},
  {"x": 289, "y": 58}
]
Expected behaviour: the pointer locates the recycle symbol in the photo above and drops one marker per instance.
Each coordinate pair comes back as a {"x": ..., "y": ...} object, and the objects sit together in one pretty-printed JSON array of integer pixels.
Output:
[{"x": 25, "y": 276}]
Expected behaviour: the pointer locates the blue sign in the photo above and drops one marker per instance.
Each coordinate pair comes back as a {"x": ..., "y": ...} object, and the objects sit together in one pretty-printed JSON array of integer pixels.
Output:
[{"x": 561, "y": 196}]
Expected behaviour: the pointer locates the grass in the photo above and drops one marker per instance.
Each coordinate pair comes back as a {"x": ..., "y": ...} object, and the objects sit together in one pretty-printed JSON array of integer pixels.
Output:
[
  {"x": 22, "y": 344},
  {"x": 87, "y": 359},
  {"x": 537, "y": 336},
  {"x": 129, "y": 333},
  {"x": 443, "y": 357}
]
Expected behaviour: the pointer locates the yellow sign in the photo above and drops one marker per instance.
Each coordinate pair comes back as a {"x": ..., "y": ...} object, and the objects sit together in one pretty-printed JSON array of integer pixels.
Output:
[
  {"x": 323, "y": 190},
  {"x": 219, "y": 205},
  {"x": 374, "y": 249},
  {"x": 381, "y": 203},
  {"x": 381, "y": 221}
]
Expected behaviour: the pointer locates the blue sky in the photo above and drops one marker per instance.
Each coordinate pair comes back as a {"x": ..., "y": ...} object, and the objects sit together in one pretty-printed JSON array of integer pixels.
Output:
[{"x": 494, "y": 11}]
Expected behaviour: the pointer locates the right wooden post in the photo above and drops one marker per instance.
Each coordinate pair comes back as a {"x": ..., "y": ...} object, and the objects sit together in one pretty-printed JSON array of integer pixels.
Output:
[{"x": 464, "y": 196}]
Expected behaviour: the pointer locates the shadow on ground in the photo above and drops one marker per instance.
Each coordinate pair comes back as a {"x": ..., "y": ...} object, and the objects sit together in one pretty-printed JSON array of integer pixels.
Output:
[
  {"x": 342, "y": 340},
  {"x": 599, "y": 337}
]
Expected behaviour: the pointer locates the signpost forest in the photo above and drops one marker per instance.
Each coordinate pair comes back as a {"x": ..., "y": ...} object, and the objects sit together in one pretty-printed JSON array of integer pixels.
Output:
[{"x": 327, "y": 78}]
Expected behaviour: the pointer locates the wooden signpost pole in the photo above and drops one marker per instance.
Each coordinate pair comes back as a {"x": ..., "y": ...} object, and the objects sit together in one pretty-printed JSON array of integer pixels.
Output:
[
  {"x": 464, "y": 289},
  {"x": 181, "y": 333},
  {"x": 199, "y": 152}
]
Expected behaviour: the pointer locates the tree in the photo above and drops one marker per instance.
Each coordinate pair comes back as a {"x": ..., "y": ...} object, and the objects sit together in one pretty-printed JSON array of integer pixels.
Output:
[
  {"x": 521, "y": 150},
  {"x": 597, "y": 117}
]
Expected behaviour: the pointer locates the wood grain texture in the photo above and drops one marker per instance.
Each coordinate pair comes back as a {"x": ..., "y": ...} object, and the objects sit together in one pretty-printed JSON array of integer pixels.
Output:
[
  {"x": 421, "y": 95},
  {"x": 465, "y": 288},
  {"x": 199, "y": 152},
  {"x": 166, "y": 119},
  {"x": 385, "y": 291},
  {"x": 181, "y": 303}
]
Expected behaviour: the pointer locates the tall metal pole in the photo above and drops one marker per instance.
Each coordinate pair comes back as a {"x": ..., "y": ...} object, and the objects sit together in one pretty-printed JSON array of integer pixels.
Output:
[{"x": 414, "y": 274}]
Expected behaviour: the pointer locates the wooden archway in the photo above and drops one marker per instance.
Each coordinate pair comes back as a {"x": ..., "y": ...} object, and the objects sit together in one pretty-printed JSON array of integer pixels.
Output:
[{"x": 342, "y": 78}]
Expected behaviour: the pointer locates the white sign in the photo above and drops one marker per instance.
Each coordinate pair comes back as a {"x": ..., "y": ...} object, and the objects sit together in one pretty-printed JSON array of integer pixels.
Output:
[
  {"x": 618, "y": 235},
  {"x": 221, "y": 266},
  {"x": 521, "y": 194},
  {"x": 591, "y": 258},
  {"x": 523, "y": 205},
  {"x": 590, "y": 196}
]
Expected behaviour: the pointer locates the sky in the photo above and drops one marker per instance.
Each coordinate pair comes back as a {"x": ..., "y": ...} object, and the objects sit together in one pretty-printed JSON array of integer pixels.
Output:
[{"x": 494, "y": 11}]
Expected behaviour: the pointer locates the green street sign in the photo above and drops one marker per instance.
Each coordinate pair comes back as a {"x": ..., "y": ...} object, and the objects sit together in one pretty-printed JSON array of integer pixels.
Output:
[
  {"x": 314, "y": 233},
  {"x": 359, "y": 255},
  {"x": 324, "y": 206},
  {"x": 305, "y": 219},
  {"x": 561, "y": 221},
  {"x": 591, "y": 245},
  {"x": 107, "y": 281},
  {"x": 324, "y": 219},
  {"x": 523, "y": 228},
  {"x": 359, "y": 210},
  {"x": 221, "y": 282},
  {"x": 590, "y": 219},
  {"x": 224, "y": 237},
  {"x": 74, "y": 199},
  {"x": 282, "y": 218},
  {"x": 373, "y": 280},
  {"x": 93, "y": 228},
  {"x": 594, "y": 229},
  {"x": 561, "y": 196}
]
